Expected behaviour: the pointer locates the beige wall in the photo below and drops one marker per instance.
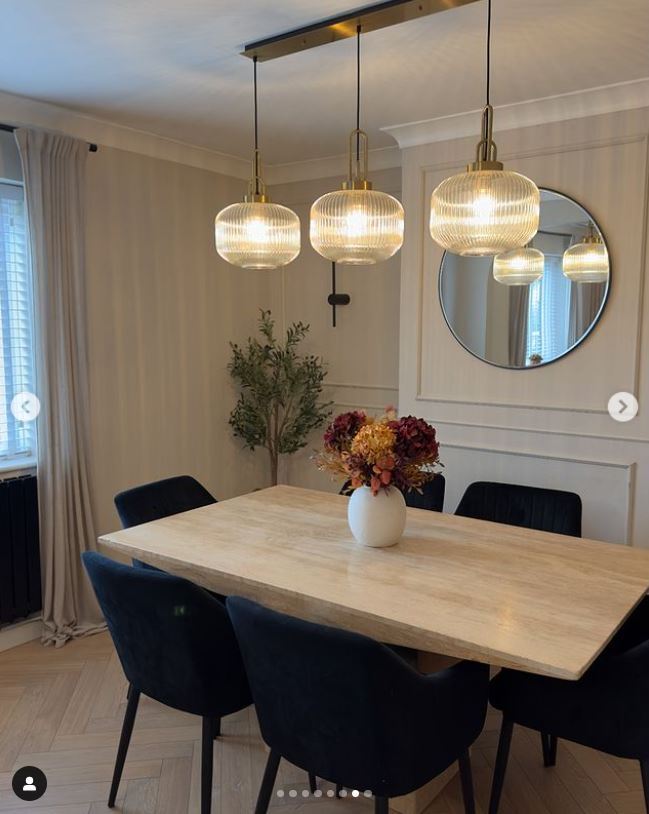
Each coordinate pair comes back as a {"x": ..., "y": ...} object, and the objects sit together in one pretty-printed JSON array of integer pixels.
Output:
[
  {"x": 363, "y": 350},
  {"x": 546, "y": 426},
  {"x": 162, "y": 308}
]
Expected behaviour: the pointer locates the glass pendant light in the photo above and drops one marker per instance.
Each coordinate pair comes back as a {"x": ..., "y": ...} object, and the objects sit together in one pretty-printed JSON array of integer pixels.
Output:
[
  {"x": 587, "y": 261},
  {"x": 487, "y": 209},
  {"x": 257, "y": 234},
  {"x": 519, "y": 266},
  {"x": 357, "y": 225}
]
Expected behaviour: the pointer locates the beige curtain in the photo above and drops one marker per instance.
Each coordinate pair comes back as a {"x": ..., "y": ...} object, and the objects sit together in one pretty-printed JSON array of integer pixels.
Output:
[
  {"x": 585, "y": 302},
  {"x": 54, "y": 173},
  {"x": 519, "y": 300}
]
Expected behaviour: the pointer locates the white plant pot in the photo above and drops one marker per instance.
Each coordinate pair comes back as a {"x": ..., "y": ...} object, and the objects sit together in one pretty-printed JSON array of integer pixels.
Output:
[{"x": 377, "y": 520}]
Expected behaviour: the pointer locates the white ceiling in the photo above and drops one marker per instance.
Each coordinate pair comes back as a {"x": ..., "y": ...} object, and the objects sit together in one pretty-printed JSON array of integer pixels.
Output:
[{"x": 172, "y": 67}]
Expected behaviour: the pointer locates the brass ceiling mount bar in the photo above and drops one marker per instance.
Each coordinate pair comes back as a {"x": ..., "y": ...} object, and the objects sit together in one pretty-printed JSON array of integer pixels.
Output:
[{"x": 343, "y": 26}]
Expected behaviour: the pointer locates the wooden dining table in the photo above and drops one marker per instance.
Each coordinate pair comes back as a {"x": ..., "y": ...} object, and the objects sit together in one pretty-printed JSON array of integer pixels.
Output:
[{"x": 464, "y": 588}]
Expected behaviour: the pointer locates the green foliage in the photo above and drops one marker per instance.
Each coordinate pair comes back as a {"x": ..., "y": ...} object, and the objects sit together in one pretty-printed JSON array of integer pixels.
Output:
[{"x": 279, "y": 402}]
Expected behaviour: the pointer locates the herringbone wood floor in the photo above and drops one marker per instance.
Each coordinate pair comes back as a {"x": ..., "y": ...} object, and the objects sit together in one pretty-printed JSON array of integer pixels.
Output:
[{"x": 62, "y": 710}]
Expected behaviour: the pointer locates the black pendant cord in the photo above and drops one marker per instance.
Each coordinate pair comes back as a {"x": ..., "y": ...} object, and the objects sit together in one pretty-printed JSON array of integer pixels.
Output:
[
  {"x": 254, "y": 68},
  {"x": 358, "y": 91},
  {"x": 257, "y": 185},
  {"x": 488, "y": 52}
]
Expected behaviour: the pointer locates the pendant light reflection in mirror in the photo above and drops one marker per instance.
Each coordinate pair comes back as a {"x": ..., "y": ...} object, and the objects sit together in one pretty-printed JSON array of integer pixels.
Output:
[
  {"x": 357, "y": 225},
  {"x": 519, "y": 266},
  {"x": 485, "y": 210},
  {"x": 256, "y": 233},
  {"x": 587, "y": 261}
]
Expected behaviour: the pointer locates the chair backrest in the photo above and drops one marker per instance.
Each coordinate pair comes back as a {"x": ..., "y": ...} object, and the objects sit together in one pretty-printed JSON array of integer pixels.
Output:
[
  {"x": 528, "y": 506},
  {"x": 431, "y": 496},
  {"x": 175, "y": 642},
  {"x": 162, "y": 498},
  {"x": 349, "y": 709}
]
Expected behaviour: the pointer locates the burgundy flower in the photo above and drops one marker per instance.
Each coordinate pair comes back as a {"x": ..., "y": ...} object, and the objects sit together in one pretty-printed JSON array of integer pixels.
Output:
[
  {"x": 339, "y": 434},
  {"x": 415, "y": 439}
]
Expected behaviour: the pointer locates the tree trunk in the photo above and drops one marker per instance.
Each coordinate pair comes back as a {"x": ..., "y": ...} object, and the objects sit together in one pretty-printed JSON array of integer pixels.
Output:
[{"x": 274, "y": 462}]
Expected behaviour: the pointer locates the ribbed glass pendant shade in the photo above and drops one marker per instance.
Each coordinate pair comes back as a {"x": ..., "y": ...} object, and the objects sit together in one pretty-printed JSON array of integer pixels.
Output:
[
  {"x": 357, "y": 226},
  {"x": 257, "y": 235},
  {"x": 521, "y": 266},
  {"x": 587, "y": 261},
  {"x": 484, "y": 212}
]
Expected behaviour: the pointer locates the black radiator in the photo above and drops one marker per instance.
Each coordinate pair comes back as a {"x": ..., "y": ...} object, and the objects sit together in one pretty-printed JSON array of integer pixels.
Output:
[{"x": 20, "y": 562}]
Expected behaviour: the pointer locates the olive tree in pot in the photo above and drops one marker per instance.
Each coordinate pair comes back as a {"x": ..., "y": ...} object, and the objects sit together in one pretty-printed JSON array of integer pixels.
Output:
[{"x": 280, "y": 391}]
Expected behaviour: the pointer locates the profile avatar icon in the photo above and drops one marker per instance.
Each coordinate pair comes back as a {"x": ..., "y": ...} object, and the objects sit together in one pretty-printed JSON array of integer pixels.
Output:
[{"x": 29, "y": 783}]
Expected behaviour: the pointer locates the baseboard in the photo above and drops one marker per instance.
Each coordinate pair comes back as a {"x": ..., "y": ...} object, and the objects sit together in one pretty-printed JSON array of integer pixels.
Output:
[{"x": 20, "y": 633}]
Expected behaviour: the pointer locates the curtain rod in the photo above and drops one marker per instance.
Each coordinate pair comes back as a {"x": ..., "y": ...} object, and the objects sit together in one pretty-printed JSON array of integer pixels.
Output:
[{"x": 9, "y": 128}]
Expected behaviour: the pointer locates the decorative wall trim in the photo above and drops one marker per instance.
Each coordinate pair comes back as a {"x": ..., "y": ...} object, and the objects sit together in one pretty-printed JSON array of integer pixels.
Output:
[
  {"x": 428, "y": 169},
  {"x": 511, "y": 405},
  {"x": 363, "y": 386},
  {"x": 353, "y": 406},
  {"x": 521, "y": 453},
  {"x": 536, "y": 431},
  {"x": 628, "y": 467},
  {"x": 19, "y": 110},
  {"x": 562, "y": 107}
]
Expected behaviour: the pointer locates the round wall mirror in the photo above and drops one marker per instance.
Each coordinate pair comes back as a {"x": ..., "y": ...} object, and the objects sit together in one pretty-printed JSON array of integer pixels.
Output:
[{"x": 530, "y": 306}]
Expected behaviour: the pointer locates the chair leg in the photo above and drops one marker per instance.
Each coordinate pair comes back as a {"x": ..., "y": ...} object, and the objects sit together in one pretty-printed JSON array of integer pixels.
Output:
[
  {"x": 207, "y": 765},
  {"x": 339, "y": 788},
  {"x": 501, "y": 764},
  {"x": 466, "y": 779},
  {"x": 217, "y": 728},
  {"x": 549, "y": 744},
  {"x": 313, "y": 783},
  {"x": 124, "y": 740},
  {"x": 644, "y": 770},
  {"x": 381, "y": 805},
  {"x": 270, "y": 773}
]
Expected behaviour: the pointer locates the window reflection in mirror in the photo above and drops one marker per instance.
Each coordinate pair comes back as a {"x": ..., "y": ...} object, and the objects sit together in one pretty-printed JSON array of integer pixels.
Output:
[{"x": 516, "y": 325}]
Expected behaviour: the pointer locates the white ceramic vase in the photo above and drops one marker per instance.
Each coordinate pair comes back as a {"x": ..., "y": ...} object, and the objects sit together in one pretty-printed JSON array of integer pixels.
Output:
[{"x": 377, "y": 520}]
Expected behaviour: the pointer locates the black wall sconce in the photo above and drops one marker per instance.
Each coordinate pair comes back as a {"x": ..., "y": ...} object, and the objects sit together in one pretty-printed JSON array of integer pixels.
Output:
[{"x": 335, "y": 299}]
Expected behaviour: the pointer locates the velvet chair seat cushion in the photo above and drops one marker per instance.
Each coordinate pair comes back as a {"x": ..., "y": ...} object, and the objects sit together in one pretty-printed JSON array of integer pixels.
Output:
[{"x": 607, "y": 709}]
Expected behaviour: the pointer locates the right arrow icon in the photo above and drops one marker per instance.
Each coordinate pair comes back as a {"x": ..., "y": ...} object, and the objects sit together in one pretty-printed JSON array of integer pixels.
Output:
[{"x": 623, "y": 406}]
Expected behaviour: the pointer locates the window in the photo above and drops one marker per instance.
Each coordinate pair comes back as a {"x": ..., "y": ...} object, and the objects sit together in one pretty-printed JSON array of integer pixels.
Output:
[
  {"x": 549, "y": 312},
  {"x": 17, "y": 438}
]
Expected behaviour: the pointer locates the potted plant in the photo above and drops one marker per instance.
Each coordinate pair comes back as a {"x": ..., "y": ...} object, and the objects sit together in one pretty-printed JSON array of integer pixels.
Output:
[
  {"x": 279, "y": 402},
  {"x": 381, "y": 459}
]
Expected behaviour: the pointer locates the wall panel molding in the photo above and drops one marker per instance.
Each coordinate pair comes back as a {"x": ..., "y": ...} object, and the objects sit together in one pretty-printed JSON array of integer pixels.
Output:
[
  {"x": 612, "y": 482},
  {"x": 575, "y": 403},
  {"x": 561, "y": 107}
]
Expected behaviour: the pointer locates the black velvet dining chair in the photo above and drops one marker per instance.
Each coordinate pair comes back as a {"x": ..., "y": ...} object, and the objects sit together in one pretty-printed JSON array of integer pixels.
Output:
[
  {"x": 351, "y": 711},
  {"x": 431, "y": 496},
  {"x": 529, "y": 506},
  {"x": 606, "y": 710},
  {"x": 161, "y": 498},
  {"x": 176, "y": 645}
]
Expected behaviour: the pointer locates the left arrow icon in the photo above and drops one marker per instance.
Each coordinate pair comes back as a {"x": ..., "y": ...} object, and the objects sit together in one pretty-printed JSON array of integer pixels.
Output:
[{"x": 25, "y": 406}]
